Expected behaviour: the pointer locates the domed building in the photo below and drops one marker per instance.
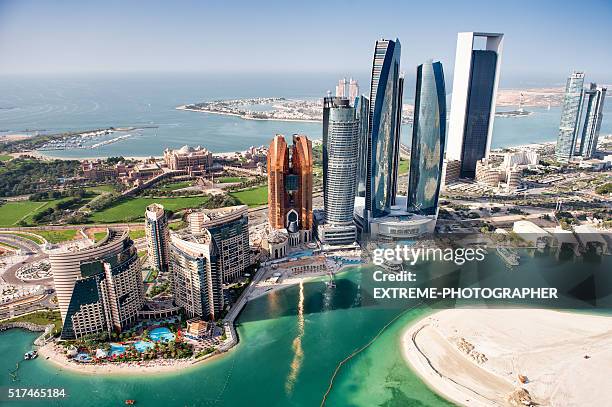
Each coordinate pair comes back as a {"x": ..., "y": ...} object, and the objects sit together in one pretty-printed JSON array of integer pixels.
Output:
[{"x": 194, "y": 160}]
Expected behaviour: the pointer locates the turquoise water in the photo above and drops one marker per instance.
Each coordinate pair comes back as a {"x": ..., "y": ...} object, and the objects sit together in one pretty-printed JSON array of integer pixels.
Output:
[
  {"x": 55, "y": 104},
  {"x": 161, "y": 335},
  {"x": 290, "y": 343}
]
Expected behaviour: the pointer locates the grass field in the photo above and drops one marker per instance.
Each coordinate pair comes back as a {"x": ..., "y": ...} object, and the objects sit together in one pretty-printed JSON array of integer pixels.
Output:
[
  {"x": 57, "y": 236},
  {"x": 41, "y": 318},
  {"x": 137, "y": 234},
  {"x": 12, "y": 212},
  {"x": 100, "y": 189},
  {"x": 252, "y": 197},
  {"x": 224, "y": 180},
  {"x": 4, "y": 157},
  {"x": 404, "y": 166},
  {"x": 133, "y": 209}
]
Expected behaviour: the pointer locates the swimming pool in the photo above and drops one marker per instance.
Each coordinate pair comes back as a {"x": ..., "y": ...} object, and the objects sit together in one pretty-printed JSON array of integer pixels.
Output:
[
  {"x": 142, "y": 346},
  {"x": 161, "y": 335},
  {"x": 303, "y": 253}
]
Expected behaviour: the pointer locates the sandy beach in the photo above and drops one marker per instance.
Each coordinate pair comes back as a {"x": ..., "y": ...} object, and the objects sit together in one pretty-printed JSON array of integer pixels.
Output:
[
  {"x": 54, "y": 354},
  {"x": 474, "y": 357}
]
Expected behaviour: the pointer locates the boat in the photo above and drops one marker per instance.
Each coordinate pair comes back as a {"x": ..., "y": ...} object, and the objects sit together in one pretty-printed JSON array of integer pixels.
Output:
[
  {"x": 130, "y": 402},
  {"x": 30, "y": 355},
  {"x": 510, "y": 257},
  {"x": 330, "y": 284},
  {"x": 523, "y": 379}
]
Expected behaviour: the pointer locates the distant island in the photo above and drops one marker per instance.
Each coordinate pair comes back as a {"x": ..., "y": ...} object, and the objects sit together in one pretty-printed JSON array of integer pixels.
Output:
[{"x": 311, "y": 110}]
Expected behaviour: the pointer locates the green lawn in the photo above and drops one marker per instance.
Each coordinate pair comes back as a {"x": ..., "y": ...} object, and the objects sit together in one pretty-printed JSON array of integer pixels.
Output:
[
  {"x": 404, "y": 166},
  {"x": 12, "y": 212},
  {"x": 137, "y": 234},
  {"x": 133, "y": 209},
  {"x": 100, "y": 189},
  {"x": 41, "y": 318},
  {"x": 4, "y": 157},
  {"x": 252, "y": 197},
  {"x": 57, "y": 236},
  {"x": 224, "y": 180}
]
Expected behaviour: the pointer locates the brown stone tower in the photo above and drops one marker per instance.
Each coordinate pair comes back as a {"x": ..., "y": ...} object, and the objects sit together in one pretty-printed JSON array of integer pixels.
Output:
[{"x": 290, "y": 187}]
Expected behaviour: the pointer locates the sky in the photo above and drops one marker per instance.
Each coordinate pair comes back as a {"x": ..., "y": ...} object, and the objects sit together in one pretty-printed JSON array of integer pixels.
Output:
[{"x": 543, "y": 39}]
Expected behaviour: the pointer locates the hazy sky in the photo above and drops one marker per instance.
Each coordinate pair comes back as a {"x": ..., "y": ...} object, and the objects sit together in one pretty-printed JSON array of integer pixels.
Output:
[{"x": 542, "y": 38}]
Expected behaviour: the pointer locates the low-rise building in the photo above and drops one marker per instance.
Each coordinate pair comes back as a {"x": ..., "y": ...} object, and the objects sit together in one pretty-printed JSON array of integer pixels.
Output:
[{"x": 194, "y": 160}]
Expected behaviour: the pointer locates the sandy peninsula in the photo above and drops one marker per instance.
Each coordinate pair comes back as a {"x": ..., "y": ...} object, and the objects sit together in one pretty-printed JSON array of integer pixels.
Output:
[{"x": 474, "y": 357}]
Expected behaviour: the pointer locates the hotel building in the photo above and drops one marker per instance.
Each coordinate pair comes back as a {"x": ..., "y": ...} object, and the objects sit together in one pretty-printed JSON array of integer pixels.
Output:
[
  {"x": 340, "y": 149},
  {"x": 428, "y": 140},
  {"x": 158, "y": 236},
  {"x": 382, "y": 159},
  {"x": 570, "y": 116},
  {"x": 194, "y": 160},
  {"x": 196, "y": 275},
  {"x": 290, "y": 187},
  {"x": 475, "y": 83},
  {"x": 593, "y": 114},
  {"x": 99, "y": 287},
  {"x": 229, "y": 228}
]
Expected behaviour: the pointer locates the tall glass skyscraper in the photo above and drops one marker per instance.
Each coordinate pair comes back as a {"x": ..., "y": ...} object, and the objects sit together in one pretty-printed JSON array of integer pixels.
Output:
[
  {"x": 570, "y": 115},
  {"x": 158, "y": 236},
  {"x": 341, "y": 169},
  {"x": 340, "y": 135},
  {"x": 384, "y": 128},
  {"x": 428, "y": 140},
  {"x": 473, "y": 104},
  {"x": 362, "y": 112},
  {"x": 593, "y": 113}
]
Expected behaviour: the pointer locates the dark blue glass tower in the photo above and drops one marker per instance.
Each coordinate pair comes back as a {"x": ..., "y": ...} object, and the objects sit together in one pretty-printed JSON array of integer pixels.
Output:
[
  {"x": 384, "y": 128},
  {"x": 428, "y": 139},
  {"x": 479, "y": 105}
]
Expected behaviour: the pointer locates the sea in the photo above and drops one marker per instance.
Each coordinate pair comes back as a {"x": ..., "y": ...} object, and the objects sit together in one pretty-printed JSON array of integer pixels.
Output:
[
  {"x": 292, "y": 341},
  {"x": 55, "y": 104}
]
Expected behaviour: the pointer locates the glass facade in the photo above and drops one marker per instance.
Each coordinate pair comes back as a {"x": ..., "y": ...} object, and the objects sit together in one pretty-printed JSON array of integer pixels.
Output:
[
  {"x": 382, "y": 143},
  {"x": 478, "y": 111},
  {"x": 341, "y": 170},
  {"x": 593, "y": 114},
  {"x": 428, "y": 140},
  {"x": 362, "y": 111},
  {"x": 568, "y": 129}
]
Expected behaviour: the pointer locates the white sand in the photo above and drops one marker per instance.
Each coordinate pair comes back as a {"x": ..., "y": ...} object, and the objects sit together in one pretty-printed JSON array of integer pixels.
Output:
[{"x": 548, "y": 347}]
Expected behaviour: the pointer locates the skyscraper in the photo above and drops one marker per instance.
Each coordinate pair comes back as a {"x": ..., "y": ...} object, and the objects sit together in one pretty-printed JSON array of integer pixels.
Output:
[
  {"x": 99, "y": 288},
  {"x": 158, "y": 236},
  {"x": 353, "y": 91},
  {"x": 362, "y": 112},
  {"x": 196, "y": 275},
  {"x": 384, "y": 128},
  {"x": 473, "y": 103},
  {"x": 229, "y": 228},
  {"x": 341, "y": 88},
  {"x": 428, "y": 140},
  {"x": 570, "y": 116},
  {"x": 290, "y": 187},
  {"x": 593, "y": 113},
  {"x": 340, "y": 171}
]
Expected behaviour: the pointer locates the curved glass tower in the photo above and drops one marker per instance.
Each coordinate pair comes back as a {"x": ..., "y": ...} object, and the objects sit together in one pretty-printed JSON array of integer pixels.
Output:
[
  {"x": 570, "y": 116},
  {"x": 383, "y": 141},
  {"x": 341, "y": 169},
  {"x": 428, "y": 139}
]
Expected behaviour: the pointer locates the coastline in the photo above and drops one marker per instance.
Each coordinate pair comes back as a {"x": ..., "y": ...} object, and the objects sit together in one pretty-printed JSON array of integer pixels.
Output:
[
  {"x": 51, "y": 354},
  {"x": 185, "y": 108},
  {"x": 475, "y": 356}
]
